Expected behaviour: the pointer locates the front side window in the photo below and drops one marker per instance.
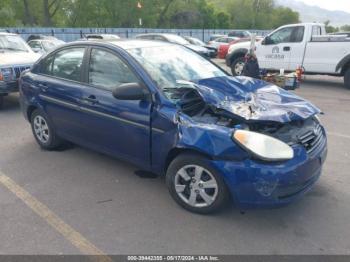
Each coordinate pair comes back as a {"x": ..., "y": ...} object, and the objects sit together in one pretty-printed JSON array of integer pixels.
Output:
[
  {"x": 67, "y": 63},
  {"x": 288, "y": 35},
  {"x": 108, "y": 71}
]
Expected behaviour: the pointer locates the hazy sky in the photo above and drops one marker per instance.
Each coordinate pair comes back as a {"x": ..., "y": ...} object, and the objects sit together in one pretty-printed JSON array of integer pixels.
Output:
[{"x": 343, "y": 5}]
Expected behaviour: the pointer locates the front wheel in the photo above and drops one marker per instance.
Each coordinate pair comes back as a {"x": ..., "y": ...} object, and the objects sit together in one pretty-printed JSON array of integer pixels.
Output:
[
  {"x": 195, "y": 185},
  {"x": 237, "y": 66},
  {"x": 43, "y": 131},
  {"x": 347, "y": 78}
]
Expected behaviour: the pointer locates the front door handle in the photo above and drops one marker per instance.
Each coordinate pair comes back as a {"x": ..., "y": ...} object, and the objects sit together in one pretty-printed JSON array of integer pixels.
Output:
[
  {"x": 286, "y": 48},
  {"x": 90, "y": 100},
  {"x": 43, "y": 86}
]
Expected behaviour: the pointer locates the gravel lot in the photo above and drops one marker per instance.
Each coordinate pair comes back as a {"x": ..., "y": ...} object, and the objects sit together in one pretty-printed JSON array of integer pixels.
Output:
[{"x": 122, "y": 213}]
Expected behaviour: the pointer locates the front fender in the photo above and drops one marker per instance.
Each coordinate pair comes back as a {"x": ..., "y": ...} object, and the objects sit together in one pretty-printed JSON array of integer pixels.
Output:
[{"x": 209, "y": 139}]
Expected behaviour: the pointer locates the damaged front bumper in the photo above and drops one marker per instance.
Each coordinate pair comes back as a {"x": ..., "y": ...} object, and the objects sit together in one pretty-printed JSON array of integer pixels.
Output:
[{"x": 255, "y": 183}]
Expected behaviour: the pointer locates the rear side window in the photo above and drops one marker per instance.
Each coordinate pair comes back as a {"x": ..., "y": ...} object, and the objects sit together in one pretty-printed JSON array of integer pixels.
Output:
[
  {"x": 108, "y": 71},
  {"x": 316, "y": 30},
  {"x": 68, "y": 63},
  {"x": 46, "y": 65},
  {"x": 65, "y": 64}
]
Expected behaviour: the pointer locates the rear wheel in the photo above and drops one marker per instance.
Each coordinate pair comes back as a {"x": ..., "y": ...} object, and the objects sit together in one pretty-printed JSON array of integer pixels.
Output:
[
  {"x": 347, "y": 78},
  {"x": 195, "y": 185},
  {"x": 237, "y": 66},
  {"x": 43, "y": 131}
]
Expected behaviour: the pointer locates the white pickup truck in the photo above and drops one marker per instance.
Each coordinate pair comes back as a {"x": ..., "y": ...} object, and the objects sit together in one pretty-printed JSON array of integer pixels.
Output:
[{"x": 294, "y": 45}]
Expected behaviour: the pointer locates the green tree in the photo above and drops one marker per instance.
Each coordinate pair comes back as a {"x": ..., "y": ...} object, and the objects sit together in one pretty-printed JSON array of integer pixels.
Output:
[
  {"x": 345, "y": 28},
  {"x": 329, "y": 28}
]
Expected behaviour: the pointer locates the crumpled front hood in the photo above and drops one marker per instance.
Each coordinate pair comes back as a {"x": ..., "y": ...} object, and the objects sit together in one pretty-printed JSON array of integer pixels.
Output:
[
  {"x": 254, "y": 99},
  {"x": 18, "y": 58}
]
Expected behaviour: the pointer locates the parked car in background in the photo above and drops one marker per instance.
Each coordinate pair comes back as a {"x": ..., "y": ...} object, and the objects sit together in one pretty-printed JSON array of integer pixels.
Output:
[
  {"x": 223, "y": 48},
  {"x": 15, "y": 57},
  {"x": 216, "y": 36},
  {"x": 35, "y": 37},
  {"x": 195, "y": 41},
  {"x": 176, "y": 39},
  {"x": 290, "y": 46},
  {"x": 221, "y": 40},
  {"x": 42, "y": 46},
  {"x": 240, "y": 34},
  {"x": 102, "y": 36},
  {"x": 172, "y": 112}
]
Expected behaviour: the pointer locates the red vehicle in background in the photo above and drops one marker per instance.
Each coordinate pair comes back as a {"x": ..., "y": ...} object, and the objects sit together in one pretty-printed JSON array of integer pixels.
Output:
[{"x": 223, "y": 49}]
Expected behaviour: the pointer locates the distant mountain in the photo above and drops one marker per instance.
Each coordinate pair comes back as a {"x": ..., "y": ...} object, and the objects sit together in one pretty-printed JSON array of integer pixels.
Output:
[{"x": 309, "y": 13}]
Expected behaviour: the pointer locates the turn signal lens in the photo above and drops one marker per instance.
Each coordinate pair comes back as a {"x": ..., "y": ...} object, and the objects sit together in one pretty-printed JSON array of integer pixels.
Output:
[{"x": 262, "y": 146}]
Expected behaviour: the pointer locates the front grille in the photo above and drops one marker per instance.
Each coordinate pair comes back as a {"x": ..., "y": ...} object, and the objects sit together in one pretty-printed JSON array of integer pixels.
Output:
[
  {"x": 19, "y": 69},
  {"x": 312, "y": 139}
]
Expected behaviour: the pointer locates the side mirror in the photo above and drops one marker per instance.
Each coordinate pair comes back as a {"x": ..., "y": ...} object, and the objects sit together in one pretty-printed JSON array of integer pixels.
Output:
[
  {"x": 130, "y": 91},
  {"x": 267, "y": 41}
]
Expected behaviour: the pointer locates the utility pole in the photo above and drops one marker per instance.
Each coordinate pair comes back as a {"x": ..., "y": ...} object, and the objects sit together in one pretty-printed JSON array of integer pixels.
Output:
[
  {"x": 256, "y": 6},
  {"x": 139, "y": 6}
]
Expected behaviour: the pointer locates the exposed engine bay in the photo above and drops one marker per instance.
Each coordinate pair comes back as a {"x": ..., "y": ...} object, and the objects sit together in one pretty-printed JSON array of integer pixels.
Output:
[{"x": 192, "y": 104}]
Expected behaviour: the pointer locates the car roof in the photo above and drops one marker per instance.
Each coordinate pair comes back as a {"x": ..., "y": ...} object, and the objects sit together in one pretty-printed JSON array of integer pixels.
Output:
[
  {"x": 127, "y": 43},
  {"x": 161, "y": 34}
]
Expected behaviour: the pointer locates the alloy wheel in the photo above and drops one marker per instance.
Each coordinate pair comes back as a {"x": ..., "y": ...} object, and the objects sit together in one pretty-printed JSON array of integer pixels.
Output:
[
  {"x": 239, "y": 68},
  {"x": 196, "y": 186},
  {"x": 41, "y": 129}
]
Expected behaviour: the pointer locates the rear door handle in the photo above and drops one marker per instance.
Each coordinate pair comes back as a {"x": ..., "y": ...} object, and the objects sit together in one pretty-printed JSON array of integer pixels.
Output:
[{"x": 286, "y": 48}]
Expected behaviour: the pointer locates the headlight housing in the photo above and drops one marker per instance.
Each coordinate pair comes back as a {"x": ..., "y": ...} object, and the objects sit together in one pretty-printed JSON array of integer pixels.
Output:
[{"x": 262, "y": 146}]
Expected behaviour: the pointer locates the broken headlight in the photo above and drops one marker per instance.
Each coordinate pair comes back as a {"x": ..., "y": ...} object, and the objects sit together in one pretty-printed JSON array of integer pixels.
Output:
[{"x": 263, "y": 146}]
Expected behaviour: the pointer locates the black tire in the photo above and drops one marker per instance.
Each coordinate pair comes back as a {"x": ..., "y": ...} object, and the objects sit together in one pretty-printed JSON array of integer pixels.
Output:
[
  {"x": 53, "y": 141},
  {"x": 347, "y": 78},
  {"x": 220, "y": 198},
  {"x": 235, "y": 63}
]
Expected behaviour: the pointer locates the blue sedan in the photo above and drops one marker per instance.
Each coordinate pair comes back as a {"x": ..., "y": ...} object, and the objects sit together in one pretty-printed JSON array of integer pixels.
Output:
[{"x": 161, "y": 106}]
